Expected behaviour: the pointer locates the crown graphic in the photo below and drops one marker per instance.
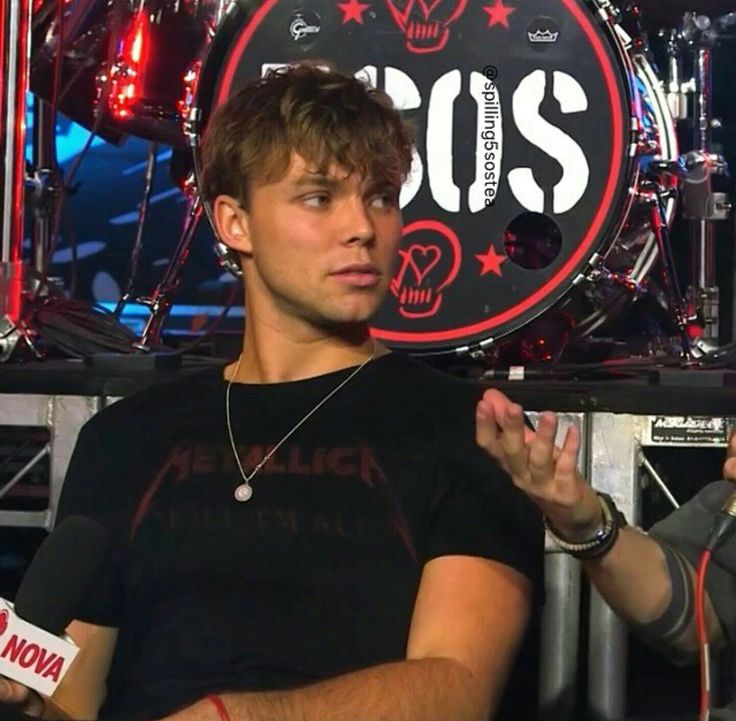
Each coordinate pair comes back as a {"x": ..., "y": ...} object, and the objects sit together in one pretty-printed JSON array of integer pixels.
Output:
[{"x": 543, "y": 36}]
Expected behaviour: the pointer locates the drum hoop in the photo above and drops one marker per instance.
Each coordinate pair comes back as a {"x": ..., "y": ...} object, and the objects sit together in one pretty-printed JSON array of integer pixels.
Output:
[{"x": 243, "y": 18}]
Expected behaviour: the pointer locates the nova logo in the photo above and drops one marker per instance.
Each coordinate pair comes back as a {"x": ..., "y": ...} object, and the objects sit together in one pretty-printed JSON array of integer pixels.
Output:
[
  {"x": 31, "y": 656},
  {"x": 3, "y": 622}
]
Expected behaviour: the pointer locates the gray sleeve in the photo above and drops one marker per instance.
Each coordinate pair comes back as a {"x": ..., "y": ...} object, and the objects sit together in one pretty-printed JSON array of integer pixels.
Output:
[{"x": 687, "y": 530}]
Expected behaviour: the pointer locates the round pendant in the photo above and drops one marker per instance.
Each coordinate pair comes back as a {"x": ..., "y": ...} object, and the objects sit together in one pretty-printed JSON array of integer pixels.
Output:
[{"x": 243, "y": 492}]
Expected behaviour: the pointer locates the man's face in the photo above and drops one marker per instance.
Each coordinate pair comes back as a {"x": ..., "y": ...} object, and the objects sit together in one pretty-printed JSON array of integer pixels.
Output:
[{"x": 320, "y": 248}]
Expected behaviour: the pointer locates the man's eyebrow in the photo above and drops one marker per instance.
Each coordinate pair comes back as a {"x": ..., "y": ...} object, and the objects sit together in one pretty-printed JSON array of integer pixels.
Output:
[
  {"x": 384, "y": 185},
  {"x": 318, "y": 179}
]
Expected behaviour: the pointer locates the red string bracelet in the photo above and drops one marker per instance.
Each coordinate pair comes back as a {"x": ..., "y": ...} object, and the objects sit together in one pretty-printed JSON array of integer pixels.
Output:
[{"x": 220, "y": 706}]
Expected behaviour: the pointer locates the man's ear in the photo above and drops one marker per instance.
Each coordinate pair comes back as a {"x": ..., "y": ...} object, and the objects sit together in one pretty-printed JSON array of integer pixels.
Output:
[{"x": 231, "y": 223}]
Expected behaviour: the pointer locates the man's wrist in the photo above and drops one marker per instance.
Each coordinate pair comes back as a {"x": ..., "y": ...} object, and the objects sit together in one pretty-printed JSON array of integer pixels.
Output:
[
  {"x": 586, "y": 522},
  {"x": 601, "y": 542},
  {"x": 219, "y": 705}
]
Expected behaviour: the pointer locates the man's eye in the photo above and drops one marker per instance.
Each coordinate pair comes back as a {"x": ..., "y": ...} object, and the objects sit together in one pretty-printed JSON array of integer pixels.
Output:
[
  {"x": 388, "y": 199},
  {"x": 317, "y": 200}
]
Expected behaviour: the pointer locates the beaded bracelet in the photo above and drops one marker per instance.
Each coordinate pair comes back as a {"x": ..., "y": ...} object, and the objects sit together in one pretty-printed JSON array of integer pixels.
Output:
[{"x": 604, "y": 538}]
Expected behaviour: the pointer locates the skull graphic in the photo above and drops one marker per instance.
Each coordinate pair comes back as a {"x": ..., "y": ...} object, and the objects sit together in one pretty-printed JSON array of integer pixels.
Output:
[
  {"x": 430, "y": 259},
  {"x": 426, "y": 23}
]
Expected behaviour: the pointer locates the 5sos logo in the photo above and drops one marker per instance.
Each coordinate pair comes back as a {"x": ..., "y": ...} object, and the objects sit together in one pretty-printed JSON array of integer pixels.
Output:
[{"x": 526, "y": 103}]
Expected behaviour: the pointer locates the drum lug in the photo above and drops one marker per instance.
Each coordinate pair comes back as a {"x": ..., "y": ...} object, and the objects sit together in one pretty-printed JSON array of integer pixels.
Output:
[
  {"x": 592, "y": 272},
  {"x": 606, "y": 11},
  {"x": 477, "y": 351},
  {"x": 643, "y": 143},
  {"x": 191, "y": 126},
  {"x": 598, "y": 273}
]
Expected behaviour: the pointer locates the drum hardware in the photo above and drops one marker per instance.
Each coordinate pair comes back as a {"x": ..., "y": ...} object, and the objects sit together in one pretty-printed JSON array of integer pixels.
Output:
[
  {"x": 15, "y": 26},
  {"x": 702, "y": 206},
  {"x": 700, "y": 168},
  {"x": 592, "y": 272},
  {"x": 159, "y": 303},
  {"x": 635, "y": 289},
  {"x": 135, "y": 252},
  {"x": 155, "y": 59},
  {"x": 480, "y": 351},
  {"x": 697, "y": 172},
  {"x": 75, "y": 60},
  {"x": 677, "y": 90},
  {"x": 676, "y": 302},
  {"x": 607, "y": 12},
  {"x": 45, "y": 182}
]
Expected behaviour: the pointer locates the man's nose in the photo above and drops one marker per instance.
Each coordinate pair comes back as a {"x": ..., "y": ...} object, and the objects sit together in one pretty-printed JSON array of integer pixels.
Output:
[{"x": 358, "y": 227}]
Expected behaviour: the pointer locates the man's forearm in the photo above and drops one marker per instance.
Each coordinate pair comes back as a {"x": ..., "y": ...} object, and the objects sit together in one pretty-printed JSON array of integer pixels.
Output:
[
  {"x": 636, "y": 580},
  {"x": 434, "y": 689},
  {"x": 633, "y": 577}
]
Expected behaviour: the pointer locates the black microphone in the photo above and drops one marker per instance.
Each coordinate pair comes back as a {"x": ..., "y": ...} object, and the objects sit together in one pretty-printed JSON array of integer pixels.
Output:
[
  {"x": 724, "y": 524},
  {"x": 59, "y": 576},
  {"x": 61, "y": 573}
]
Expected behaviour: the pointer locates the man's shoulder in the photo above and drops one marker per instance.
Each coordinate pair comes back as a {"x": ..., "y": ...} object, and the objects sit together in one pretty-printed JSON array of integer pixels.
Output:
[
  {"x": 425, "y": 381},
  {"x": 439, "y": 406},
  {"x": 171, "y": 398}
]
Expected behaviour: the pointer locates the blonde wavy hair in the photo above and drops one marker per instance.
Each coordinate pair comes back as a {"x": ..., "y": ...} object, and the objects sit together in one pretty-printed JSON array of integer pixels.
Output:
[{"x": 321, "y": 114}]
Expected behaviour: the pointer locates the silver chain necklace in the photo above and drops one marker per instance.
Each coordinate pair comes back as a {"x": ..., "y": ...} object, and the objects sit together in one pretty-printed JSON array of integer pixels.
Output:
[{"x": 244, "y": 491}]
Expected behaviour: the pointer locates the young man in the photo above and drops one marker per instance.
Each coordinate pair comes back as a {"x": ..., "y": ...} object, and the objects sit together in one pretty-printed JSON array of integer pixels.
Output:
[
  {"x": 314, "y": 533},
  {"x": 648, "y": 579}
]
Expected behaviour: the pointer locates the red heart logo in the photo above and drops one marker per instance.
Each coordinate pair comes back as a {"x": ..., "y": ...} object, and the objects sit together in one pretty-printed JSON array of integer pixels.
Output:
[
  {"x": 3, "y": 622},
  {"x": 422, "y": 259}
]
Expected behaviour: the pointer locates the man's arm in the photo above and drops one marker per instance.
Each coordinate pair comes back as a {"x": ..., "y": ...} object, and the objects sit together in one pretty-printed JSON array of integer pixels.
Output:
[
  {"x": 468, "y": 622},
  {"x": 82, "y": 691},
  {"x": 634, "y": 577},
  {"x": 636, "y": 580}
]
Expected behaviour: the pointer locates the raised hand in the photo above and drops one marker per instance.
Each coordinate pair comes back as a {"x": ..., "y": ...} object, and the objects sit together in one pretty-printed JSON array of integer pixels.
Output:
[
  {"x": 729, "y": 467},
  {"x": 546, "y": 473}
]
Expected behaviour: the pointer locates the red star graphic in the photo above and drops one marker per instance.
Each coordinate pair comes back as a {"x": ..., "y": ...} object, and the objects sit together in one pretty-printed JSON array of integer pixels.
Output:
[
  {"x": 491, "y": 261},
  {"x": 353, "y": 10},
  {"x": 498, "y": 14}
]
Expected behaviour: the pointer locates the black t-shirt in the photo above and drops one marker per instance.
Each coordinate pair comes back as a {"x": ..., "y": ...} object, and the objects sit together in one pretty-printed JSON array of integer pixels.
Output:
[{"x": 317, "y": 574}]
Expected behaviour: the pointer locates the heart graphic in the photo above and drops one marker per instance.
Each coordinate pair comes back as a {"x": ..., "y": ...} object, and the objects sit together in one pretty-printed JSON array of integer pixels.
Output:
[
  {"x": 429, "y": 8},
  {"x": 3, "y": 622},
  {"x": 422, "y": 259}
]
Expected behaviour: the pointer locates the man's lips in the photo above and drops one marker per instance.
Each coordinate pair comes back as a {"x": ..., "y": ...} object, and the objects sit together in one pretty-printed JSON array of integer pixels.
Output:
[{"x": 359, "y": 274}]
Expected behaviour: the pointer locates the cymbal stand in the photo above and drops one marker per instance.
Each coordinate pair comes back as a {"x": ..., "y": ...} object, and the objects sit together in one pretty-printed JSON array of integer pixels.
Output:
[
  {"x": 701, "y": 204},
  {"x": 45, "y": 182},
  {"x": 135, "y": 254},
  {"x": 675, "y": 300},
  {"x": 15, "y": 23},
  {"x": 159, "y": 303}
]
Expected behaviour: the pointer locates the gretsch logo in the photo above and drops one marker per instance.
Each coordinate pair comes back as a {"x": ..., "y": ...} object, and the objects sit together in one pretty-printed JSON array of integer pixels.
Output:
[{"x": 302, "y": 27}]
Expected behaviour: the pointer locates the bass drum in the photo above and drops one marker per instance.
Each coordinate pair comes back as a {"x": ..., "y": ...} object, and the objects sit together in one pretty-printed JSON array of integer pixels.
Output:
[{"x": 533, "y": 122}]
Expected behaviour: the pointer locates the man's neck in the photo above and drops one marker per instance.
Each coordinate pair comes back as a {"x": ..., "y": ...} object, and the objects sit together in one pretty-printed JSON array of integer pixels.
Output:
[{"x": 272, "y": 357}]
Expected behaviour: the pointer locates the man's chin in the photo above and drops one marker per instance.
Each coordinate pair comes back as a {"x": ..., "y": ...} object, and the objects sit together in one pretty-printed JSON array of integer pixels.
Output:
[{"x": 347, "y": 318}]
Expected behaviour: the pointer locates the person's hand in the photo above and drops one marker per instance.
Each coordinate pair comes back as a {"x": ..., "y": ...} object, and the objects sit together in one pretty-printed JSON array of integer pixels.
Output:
[
  {"x": 729, "y": 467},
  {"x": 547, "y": 474},
  {"x": 20, "y": 696}
]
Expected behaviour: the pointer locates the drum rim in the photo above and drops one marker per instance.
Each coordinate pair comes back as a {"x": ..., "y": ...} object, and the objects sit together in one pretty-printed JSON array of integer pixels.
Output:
[{"x": 215, "y": 80}]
